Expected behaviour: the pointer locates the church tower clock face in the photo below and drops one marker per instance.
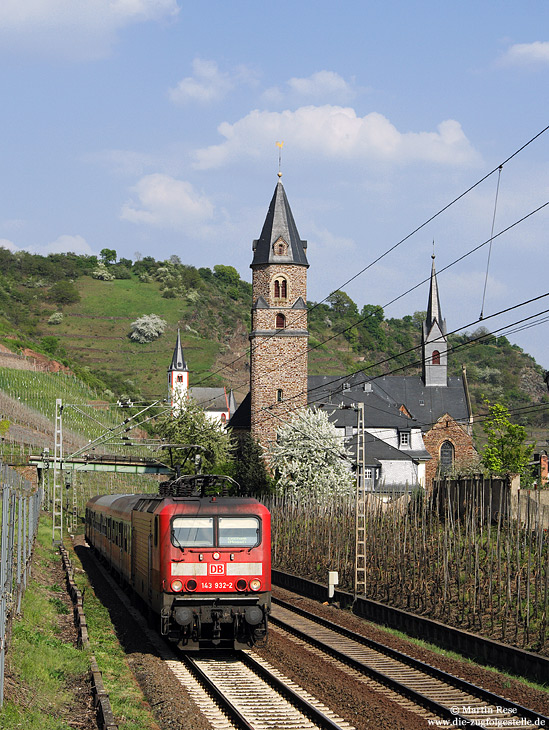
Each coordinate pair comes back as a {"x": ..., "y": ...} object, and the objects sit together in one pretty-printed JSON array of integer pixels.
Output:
[{"x": 279, "y": 336}]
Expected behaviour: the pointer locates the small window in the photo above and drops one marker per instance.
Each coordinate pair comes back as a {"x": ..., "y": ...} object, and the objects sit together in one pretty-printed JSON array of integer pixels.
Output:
[
  {"x": 277, "y": 289},
  {"x": 280, "y": 321},
  {"x": 193, "y": 532},
  {"x": 283, "y": 289},
  {"x": 179, "y": 378},
  {"x": 238, "y": 532},
  {"x": 435, "y": 357},
  {"x": 405, "y": 438},
  {"x": 279, "y": 395},
  {"x": 223, "y": 418}
]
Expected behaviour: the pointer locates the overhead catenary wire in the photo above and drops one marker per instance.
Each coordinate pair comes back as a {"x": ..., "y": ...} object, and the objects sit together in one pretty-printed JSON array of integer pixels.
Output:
[
  {"x": 407, "y": 237},
  {"x": 490, "y": 247}
]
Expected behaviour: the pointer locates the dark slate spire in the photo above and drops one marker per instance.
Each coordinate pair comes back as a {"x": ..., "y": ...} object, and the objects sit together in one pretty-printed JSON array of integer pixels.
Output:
[
  {"x": 178, "y": 360},
  {"x": 434, "y": 313},
  {"x": 279, "y": 228}
]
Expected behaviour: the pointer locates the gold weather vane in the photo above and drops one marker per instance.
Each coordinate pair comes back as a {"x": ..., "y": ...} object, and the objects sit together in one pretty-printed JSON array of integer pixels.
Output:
[{"x": 280, "y": 145}]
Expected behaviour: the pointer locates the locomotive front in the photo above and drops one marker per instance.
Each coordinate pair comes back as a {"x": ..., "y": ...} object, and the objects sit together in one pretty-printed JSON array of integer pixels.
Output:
[{"x": 216, "y": 567}]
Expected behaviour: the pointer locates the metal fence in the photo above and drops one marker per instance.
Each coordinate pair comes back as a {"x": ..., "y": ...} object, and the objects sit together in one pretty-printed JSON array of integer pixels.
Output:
[{"x": 20, "y": 513}]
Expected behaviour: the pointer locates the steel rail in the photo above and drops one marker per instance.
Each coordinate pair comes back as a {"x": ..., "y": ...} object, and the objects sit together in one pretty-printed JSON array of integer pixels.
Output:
[
  {"x": 419, "y": 698},
  {"x": 275, "y": 684},
  {"x": 312, "y": 712},
  {"x": 217, "y": 695}
]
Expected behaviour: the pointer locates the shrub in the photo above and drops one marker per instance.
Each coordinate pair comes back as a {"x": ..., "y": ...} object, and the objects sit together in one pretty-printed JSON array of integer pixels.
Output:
[
  {"x": 64, "y": 292},
  {"x": 101, "y": 272},
  {"x": 147, "y": 328},
  {"x": 56, "y": 318}
]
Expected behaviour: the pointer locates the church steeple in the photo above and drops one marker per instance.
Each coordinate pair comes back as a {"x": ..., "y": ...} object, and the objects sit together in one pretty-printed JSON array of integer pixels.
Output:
[
  {"x": 178, "y": 375},
  {"x": 434, "y": 313},
  {"x": 433, "y": 340},
  {"x": 279, "y": 242}
]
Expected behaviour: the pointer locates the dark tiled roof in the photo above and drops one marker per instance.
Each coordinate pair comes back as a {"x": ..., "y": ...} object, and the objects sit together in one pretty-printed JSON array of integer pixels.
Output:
[
  {"x": 384, "y": 396},
  {"x": 279, "y": 223},
  {"x": 210, "y": 399}
]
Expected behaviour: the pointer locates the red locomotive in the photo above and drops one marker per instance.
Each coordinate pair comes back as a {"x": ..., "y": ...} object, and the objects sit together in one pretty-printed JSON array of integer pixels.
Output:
[{"x": 200, "y": 564}]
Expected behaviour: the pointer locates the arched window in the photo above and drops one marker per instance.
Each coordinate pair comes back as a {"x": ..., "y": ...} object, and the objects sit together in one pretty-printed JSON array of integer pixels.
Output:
[
  {"x": 435, "y": 359},
  {"x": 280, "y": 288},
  {"x": 446, "y": 459},
  {"x": 280, "y": 321},
  {"x": 279, "y": 395}
]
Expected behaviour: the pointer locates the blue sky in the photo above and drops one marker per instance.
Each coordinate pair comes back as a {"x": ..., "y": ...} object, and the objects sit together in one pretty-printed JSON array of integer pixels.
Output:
[{"x": 150, "y": 126}]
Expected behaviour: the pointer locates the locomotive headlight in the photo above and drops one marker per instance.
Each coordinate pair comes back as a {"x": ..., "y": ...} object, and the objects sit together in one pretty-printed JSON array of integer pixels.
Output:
[
  {"x": 215, "y": 556},
  {"x": 176, "y": 586},
  {"x": 241, "y": 584},
  {"x": 255, "y": 584},
  {"x": 191, "y": 585}
]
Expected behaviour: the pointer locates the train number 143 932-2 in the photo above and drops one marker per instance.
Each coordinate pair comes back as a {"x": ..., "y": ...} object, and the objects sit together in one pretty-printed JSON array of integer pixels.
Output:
[{"x": 225, "y": 585}]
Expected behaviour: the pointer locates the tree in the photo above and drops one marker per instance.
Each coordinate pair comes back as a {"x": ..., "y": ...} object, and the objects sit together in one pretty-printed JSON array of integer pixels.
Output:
[
  {"x": 227, "y": 275},
  {"x": 147, "y": 328},
  {"x": 108, "y": 255},
  {"x": 342, "y": 304},
  {"x": 309, "y": 457},
  {"x": 506, "y": 451},
  {"x": 249, "y": 467},
  {"x": 190, "y": 425}
]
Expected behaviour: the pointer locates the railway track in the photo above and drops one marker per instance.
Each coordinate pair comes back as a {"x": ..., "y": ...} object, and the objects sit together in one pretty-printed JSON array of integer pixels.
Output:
[
  {"x": 441, "y": 695},
  {"x": 253, "y": 695}
]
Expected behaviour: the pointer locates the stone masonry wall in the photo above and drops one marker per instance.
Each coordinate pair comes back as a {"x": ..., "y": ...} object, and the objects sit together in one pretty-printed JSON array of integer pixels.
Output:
[
  {"x": 263, "y": 276},
  {"x": 278, "y": 362},
  {"x": 446, "y": 429}
]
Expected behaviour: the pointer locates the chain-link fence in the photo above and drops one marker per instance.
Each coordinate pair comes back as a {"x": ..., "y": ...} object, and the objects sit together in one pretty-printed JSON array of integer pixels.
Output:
[{"x": 20, "y": 512}]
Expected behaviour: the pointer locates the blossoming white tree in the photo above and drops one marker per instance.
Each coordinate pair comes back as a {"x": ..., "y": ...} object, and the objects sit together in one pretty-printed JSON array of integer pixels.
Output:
[{"x": 310, "y": 458}]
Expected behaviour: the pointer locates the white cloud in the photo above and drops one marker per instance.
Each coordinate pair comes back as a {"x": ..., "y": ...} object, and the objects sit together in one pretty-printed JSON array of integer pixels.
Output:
[
  {"x": 163, "y": 201},
  {"x": 4, "y": 243},
  {"x": 320, "y": 86},
  {"x": 527, "y": 54},
  {"x": 79, "y": 29},
  {"x": 63, "y": 244},
  {"x": 67, "y": 243},
  {"x": 208, "y": 83},
  {"x": 336, "y": 132}
]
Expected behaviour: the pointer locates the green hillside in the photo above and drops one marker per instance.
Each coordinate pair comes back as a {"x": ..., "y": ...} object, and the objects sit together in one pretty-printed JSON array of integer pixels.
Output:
[{"x": 79, "y": 311}]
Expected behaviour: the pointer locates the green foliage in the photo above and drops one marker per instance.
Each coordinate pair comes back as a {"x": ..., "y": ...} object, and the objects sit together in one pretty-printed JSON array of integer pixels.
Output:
[
  {"x": 108, "y": 255},
  {"x": 190, "y": 426},
  {"x": 249, "y": 467},
  {"x": 49, "y": 344},
  {"x": 4, "y": 427},
  {"x": 227, "y": 275},
  {"x": 506, "y": 451},
  {"x": 64, "y": 292}
]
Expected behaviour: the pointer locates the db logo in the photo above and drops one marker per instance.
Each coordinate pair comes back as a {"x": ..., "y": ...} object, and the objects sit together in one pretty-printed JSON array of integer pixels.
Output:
[{"x": 216, "y": 569}]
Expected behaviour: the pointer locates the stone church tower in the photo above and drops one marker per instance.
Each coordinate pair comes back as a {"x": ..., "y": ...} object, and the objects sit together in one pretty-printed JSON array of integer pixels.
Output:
[{"x": 279, "y": 336}]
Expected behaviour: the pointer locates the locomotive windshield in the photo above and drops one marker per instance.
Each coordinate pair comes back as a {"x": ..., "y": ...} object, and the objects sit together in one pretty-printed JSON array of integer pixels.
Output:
[
  {"x": 238, "y": 531},
  {"x": 228, "y": 532},
  {"x": 193, "y": 531}
]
